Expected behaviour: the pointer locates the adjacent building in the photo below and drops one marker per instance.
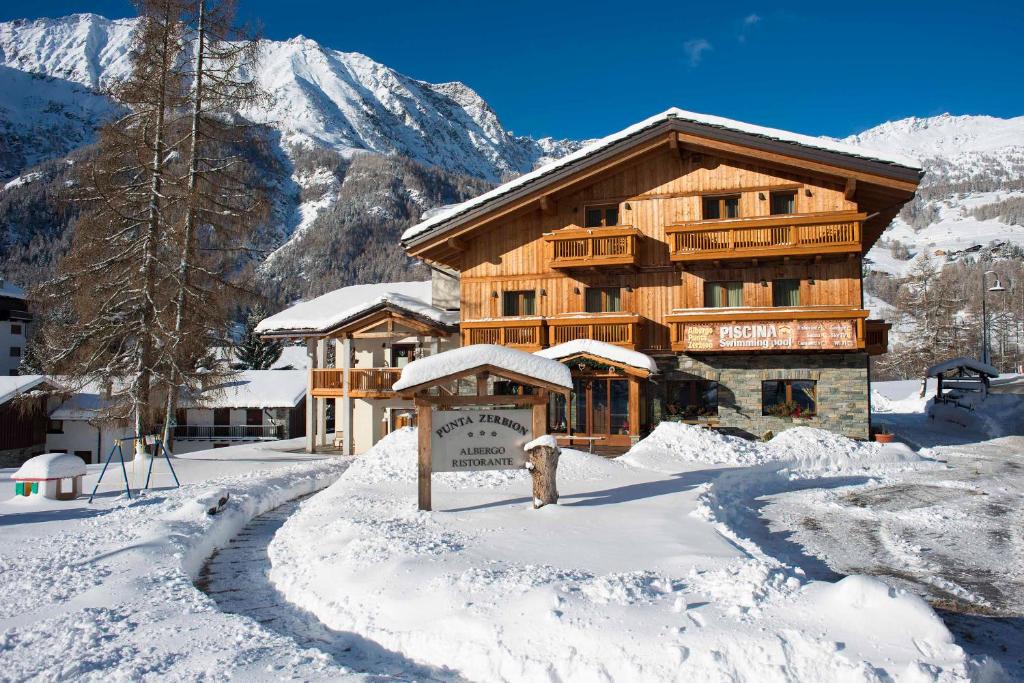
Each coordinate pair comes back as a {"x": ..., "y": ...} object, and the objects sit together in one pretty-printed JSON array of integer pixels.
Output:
[
  {"x": 358, "y": 339},
  {"x": 14, "y": 322},
  {"x": 729, "y": 254}
]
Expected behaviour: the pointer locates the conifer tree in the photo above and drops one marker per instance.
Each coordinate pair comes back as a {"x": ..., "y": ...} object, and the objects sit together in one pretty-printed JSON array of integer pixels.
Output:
[{"x": 253, "y": 352}]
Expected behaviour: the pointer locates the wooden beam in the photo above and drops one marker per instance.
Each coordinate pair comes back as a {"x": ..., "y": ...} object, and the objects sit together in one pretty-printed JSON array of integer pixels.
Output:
[
  {"x": 457, "y": 244},
  {"x": 850, "y": 189},
  {"x": 424, "y": 427},
  {"x": 527, "y": 400}
]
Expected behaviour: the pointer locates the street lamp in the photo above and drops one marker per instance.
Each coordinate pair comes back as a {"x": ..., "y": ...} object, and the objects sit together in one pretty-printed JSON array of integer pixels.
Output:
[{"x": 997, "y": 287}]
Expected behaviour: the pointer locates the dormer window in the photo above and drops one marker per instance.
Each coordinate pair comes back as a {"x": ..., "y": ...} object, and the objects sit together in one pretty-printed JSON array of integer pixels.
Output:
[
  {"x": 722, "y": 206},
  {"x": 601, "y": 216},
  {"x": 783, "y": 203}
]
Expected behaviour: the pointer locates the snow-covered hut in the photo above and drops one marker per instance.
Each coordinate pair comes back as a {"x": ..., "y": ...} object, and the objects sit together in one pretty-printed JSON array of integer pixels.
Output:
[
  {"x": 58, "y": 475},
  {"x": 962, "y": 381}
]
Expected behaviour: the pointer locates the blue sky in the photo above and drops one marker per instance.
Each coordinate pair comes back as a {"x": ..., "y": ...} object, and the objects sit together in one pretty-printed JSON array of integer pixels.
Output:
[{"x": 584, "y": 69}]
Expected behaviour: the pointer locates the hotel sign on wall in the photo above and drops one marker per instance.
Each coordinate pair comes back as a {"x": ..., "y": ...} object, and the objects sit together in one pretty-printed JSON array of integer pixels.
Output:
[
  {"x": 786, "y": 335},
  {"x": 479, "y": 439}
]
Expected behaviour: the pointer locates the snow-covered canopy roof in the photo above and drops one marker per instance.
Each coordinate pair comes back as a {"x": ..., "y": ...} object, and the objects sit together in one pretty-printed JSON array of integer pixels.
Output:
[
  {"x": 467, "y": 358},
  {"x": 604, "y": 350},
  {"x": 255, "y": 389},
  {"x": 14, "y": 386},
  {"x": 962, "y": 362},
  {"x": 11, "y": 290},
  {"x": 51, "y": 466},
  {"x": 823, "y": 144},
  {"x": 331, "y": 310}
]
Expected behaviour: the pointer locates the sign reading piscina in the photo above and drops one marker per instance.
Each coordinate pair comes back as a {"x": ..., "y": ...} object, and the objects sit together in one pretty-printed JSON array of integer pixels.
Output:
[{"x": 479, "y": 439}]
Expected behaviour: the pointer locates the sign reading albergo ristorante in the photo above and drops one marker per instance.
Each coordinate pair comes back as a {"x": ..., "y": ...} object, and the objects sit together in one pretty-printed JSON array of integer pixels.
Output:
[
  {"x": 479, "y": 439},
  {"x": 764, "y": 335}
]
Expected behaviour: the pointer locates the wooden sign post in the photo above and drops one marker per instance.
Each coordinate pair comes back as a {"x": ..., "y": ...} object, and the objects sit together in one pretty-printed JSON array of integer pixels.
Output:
[{"x": 482, "y": 431}]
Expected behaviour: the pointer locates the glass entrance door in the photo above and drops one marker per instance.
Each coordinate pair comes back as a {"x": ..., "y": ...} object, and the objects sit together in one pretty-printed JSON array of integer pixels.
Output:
[{"x": 599, "y": 408}]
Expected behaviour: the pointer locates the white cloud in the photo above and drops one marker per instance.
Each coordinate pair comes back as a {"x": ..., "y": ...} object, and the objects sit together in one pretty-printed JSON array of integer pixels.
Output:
[
  {"x": 746, "y": 25},
  {"x": 695, "y": 49}
]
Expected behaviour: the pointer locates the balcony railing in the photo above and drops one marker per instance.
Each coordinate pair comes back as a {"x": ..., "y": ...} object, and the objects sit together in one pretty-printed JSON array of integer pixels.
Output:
[
  {"x": 766, "y": 237},
  {"x": 363, "y": 382},
  {"x": 228, "y": 432},
  {"x": 742, "y": 330},
  {"x": 621, "y": 330},
  {"x": 876, "y": 337},
  {"x": 525, "y": 334},
  {"x": 576, "y": 247}
]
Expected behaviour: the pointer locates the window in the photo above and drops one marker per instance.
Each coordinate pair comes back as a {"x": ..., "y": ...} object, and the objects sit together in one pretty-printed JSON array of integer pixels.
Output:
[
  {"x": 603, "y": 300},
  {"x": 254, "y": 417},
  {"x": 86, "y": 456},
  {"x": 55, "y": 427},
  {"x": 601, "y": 216},
  {"x": 785, "y": 292},
  {"x": 402, "y": 355},
  {"x": 721, "y": 207},
  {"x": 723, "y": 294},
  {"x": 692, "y": 399},
  {"x": 181, "y": 416},
  {"x": 222, "y": 416},
  {"x": 13, "y": 373},
  {"x": 15, "y": 328},
  {"x": 789, "y": 398},
  {"x": 15, "y": 352},
  {"x": 783, "y": 202},
  {"x": 520, "y": 303}
]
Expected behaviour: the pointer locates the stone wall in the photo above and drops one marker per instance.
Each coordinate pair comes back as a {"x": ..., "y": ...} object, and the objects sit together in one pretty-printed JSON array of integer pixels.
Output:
[{"x": 842, "y": 388}]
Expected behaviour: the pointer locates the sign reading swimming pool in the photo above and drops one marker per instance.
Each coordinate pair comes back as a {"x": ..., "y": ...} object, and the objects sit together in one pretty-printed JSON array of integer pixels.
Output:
[{"x": 479, "y": 439}]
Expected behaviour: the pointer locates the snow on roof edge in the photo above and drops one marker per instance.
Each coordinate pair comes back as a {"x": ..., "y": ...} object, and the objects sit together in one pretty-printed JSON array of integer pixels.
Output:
[
  {"x": 463, "y": 358},
  {"x": 963, "y": 361},
  {"x": 601, "y": 349},
  {"x": 821, "y": 143}
]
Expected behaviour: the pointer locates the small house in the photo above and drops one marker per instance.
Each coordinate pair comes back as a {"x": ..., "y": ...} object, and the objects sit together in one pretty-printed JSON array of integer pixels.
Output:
[{"x": 57, "y": 476}]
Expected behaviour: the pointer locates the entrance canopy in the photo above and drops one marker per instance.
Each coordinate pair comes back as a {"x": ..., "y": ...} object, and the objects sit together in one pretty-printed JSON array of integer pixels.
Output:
[{"x": 630, "y": 362}]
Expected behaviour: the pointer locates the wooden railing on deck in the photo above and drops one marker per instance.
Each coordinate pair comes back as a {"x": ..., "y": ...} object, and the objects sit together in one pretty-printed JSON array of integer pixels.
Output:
[
  {"x": 768, "y": 236},
  {"x": 521, "y": 334},
  {"x": 363, "y": 382},
  {"x": 576, "y": 247},
  {"x": 621, "y": 330}
]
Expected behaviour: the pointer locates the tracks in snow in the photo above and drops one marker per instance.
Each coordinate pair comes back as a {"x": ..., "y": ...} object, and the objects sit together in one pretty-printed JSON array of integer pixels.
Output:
[{"x": 238, "y": 579}]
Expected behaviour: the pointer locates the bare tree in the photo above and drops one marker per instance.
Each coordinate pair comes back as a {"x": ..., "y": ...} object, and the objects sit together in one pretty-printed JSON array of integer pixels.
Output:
[{"x": 222, "y": 200}]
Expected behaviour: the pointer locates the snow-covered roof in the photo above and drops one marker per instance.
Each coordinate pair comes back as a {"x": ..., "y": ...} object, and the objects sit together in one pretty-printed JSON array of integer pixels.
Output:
[
  {"x": 601, "y": 350},
  {"x": 818, "y": 143},
  {"x": 468, "y": 357},
  {"x": 255, "y": 389},
  {"x": 962, "y": 362},
  {"x": 51, "y": 466},
  {"x": 330, "y": 310},
  {"x": 13, "y": 386},
  {"x": 81, "y": 405}
]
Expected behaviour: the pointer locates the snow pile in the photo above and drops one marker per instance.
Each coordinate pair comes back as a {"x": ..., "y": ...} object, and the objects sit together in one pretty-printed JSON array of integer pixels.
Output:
[
  {"x": 545, "y": 441},
  {"x": 623, "y": 580},
  {"x": 466, "y": 358},
  {"x": 674, "y": 445},
  {"x": 600, "y": 349},
  {"x": 51, "y": 466},
  {"x": 962, "y": 362}
]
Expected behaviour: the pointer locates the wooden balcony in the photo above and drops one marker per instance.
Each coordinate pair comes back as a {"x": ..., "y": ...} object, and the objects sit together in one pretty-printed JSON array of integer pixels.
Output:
[
  {"x": 363, "y": 382},
  {"x": 619, "y": 329},
  {"x": 526, "y": 334},
  {"x": 876, "y": 337},
  {"x": 746, "y": 330},
  {"x": 576, "y": 247},
  {"x": 769, "y": 237}
]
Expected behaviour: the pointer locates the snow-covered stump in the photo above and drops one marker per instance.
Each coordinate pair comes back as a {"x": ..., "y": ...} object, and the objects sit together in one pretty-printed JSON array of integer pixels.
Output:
[{"x": 542, "y": 462}]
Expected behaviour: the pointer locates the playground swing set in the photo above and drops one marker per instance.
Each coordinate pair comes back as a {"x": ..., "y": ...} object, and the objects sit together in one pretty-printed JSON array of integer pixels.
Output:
[{"x": 158, "y": 450}]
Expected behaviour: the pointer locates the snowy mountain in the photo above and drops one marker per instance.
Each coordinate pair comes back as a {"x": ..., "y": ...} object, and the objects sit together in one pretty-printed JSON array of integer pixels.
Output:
[
  {"x": 343, "y": 101},
  {"x": 972, "y": 195}
]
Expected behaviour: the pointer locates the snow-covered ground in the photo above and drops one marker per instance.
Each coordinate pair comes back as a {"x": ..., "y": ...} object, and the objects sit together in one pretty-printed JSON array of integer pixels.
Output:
[
  {"x": 650, "y": 568},
  {"x": 104, "y": 591},
  {"x": 696, "y": 556}
]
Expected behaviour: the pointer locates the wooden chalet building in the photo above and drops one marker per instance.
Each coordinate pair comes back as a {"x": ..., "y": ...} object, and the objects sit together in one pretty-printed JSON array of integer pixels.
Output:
[{"x": 730, "y": 254}]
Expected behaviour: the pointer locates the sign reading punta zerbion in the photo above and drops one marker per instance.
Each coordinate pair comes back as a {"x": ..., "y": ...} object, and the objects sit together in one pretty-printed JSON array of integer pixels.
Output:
[
  {"x": 479, "y": 439},
  {"x": 789, "y": 334}
]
